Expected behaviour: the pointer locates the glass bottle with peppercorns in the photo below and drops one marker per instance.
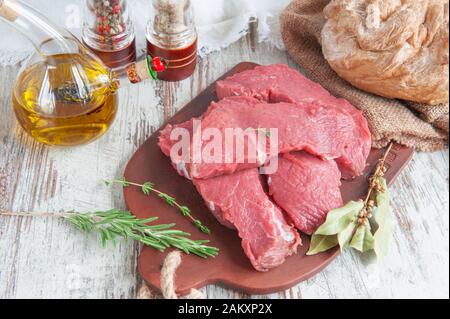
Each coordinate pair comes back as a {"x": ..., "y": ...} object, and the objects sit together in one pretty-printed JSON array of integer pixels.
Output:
[{"x": 108, "y": 31}]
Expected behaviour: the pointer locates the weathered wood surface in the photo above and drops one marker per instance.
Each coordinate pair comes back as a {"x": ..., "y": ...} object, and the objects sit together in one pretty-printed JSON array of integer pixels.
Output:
[{"x": 45, "y": 258}]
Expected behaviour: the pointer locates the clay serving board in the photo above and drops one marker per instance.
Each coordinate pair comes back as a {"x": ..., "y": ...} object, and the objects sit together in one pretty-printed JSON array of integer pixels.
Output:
[{"x": 231, "y": 268}]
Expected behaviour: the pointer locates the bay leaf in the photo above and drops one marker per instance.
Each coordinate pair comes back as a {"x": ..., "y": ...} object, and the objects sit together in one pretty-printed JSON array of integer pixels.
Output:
[
  {"x": 363, "y": 240},
  {"x": 345, "y": 236},
  {"x": 369, "y": 241},
  {"x": 339, "y": 219},
  {"x": 383, "y": 220},
  {"x": 321, "y": 243}
]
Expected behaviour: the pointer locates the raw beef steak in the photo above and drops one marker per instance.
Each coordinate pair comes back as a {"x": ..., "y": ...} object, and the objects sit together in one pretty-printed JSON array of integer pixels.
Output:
[
  {"x": 280, "y": 83},
  {"x": 307, "y": 188},
  {"x": 166, "y": 144},
  {"x": 329, "y": 133},
  {"x": 239, "y": 202}
]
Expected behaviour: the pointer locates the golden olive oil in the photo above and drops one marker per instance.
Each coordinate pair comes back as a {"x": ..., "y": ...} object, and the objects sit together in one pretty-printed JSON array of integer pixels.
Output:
[{"x": 65, "y": 100}]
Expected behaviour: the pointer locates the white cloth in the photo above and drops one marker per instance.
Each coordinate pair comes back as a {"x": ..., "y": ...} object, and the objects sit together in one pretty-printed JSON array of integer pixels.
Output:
[{"x": 219, "y": 22}]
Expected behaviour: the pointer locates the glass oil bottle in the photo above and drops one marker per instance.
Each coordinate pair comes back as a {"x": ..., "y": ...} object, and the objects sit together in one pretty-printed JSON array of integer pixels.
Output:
[{"x": 64, "y": 95}]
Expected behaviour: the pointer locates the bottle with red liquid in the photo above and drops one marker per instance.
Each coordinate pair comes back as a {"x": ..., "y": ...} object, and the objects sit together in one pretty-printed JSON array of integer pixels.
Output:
[
  {"x": 108, "y": 31},
  {"x": 171, "y": 35}
]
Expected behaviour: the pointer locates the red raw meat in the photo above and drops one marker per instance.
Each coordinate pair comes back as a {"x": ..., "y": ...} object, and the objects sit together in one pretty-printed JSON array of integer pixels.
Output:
[
  {"x": 329, "y": 133},
  {"x": 239, "y": 202},
  {"x": 308, "y": 119},
  {"x": 307, "y": 188},
  {"x": 280, "y": 83},
  {"x": 165, "y": 143}
]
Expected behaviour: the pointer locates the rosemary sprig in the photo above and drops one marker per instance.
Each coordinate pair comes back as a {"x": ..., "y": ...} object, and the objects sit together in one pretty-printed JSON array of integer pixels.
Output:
[
  {"x": 148, "y": 188},
  {"x": 115, "y": 223}
]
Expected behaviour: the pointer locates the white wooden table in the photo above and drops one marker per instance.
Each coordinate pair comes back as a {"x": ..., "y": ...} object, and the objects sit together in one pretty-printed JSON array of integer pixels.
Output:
[{"x": 46, "y": 258}]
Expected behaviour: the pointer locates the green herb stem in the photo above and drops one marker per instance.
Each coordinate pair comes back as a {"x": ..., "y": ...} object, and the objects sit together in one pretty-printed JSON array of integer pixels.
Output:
[
  {"x": 379, "y": 172},
  {"x": 148, "y": 188},
  {"x": 266, "y": 132},
  {"x": 117, "y": 223},
  {"x": 113, "y": 224}
]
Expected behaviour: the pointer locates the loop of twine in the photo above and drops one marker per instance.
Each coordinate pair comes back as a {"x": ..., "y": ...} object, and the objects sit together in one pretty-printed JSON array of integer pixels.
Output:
[{"x": 168, "y": 271}]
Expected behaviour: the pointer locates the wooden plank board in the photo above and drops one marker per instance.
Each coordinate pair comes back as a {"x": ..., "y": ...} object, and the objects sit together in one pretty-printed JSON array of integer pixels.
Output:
[{"x": 44, "y": 258}]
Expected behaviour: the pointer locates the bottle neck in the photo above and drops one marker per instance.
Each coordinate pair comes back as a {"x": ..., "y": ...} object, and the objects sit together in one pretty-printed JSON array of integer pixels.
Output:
[{"x": 36, "y": 28}]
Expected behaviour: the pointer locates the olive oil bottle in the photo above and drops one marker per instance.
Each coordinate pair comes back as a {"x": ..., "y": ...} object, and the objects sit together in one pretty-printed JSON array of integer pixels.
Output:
[
  {"x": 59, "y": 112},
  {"x": 64, "y": 95}
]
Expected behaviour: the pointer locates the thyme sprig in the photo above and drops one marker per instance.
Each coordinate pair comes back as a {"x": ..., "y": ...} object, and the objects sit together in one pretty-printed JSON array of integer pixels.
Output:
[
  {"x": 113, "y": 224},
  {"x": 149, "y": 188}
]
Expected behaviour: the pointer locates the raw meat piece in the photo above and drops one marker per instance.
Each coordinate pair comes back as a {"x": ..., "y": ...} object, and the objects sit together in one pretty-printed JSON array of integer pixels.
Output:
[
  {"x": 307, "y": 188},
  {"x": 165, "y": 144},
  {"x": 280, "y": 83},
  {"x": 239, "y": 202},
  {"x": 329, "y": 133}
]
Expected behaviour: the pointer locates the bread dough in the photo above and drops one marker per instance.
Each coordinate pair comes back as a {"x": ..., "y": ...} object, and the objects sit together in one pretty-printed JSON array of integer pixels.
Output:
[{"x": 393, "y": 48}]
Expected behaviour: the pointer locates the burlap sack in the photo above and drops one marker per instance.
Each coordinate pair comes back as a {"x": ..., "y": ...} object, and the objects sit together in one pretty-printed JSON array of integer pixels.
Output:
[{"x": 421, "y": 126}]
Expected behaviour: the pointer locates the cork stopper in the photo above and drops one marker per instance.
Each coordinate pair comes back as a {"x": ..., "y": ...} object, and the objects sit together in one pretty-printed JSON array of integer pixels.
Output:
[
  {"x": 139, "y": 71},
  {"x": 7, "y": 12}
]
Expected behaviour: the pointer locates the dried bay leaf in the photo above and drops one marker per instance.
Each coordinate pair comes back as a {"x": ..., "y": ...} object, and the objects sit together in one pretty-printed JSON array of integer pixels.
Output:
[
  {"x": 321, "y": 243},
  {"x": 339, "y": 219},
  {"x": 383, "y": 221},
  {"x": 345, "y": 236},
  {"x": 364, "y": 225},
  {"x": 338, "y": 229},
  {"x": 369, "y": 241},
  {"x": 363, "y": 239}
]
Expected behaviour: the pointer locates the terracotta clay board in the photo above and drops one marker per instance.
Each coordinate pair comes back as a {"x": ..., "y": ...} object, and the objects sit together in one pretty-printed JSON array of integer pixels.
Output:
[{"x": 231, "y": 267}]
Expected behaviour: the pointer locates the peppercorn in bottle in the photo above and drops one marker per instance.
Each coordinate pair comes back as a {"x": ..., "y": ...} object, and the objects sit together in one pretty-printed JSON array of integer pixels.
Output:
[{"x": 108, "y": 31}]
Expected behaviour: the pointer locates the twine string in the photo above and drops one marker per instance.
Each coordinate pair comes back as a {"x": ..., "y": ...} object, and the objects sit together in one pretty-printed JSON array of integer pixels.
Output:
[
  {"x": 170, "y": 266},
  {"x": 168, "y": 288}
]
